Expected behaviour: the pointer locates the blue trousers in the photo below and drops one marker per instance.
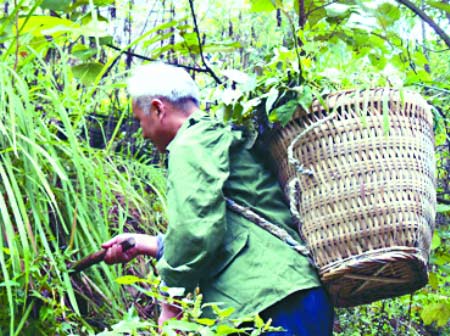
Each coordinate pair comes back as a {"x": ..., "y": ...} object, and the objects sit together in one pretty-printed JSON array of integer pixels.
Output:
[{"x": 304, "y": 313}]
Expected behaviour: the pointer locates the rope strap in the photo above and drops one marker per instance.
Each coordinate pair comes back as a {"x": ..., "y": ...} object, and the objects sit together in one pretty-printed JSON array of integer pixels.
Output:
[{"x": 268, "y": 226}]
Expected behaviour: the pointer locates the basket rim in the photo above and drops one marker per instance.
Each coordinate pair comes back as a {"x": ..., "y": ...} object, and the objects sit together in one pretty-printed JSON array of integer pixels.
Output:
[
  {"x": 333, "y": 98},
  {"x": 332, "y": 271}
]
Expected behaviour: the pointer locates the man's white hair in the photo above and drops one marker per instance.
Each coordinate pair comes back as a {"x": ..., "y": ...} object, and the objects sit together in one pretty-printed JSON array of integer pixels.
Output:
[{"x": 161, "y": 80}]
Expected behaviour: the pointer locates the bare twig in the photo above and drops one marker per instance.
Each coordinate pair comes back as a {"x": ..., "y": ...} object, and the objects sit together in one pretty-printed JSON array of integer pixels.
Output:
[
  {"x": 129, "y": 53},
  {"x": 197, "y": 32},
  {"x": 427, "y": 19}
]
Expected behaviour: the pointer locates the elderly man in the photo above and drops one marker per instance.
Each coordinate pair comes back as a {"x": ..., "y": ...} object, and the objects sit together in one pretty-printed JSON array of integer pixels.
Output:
[{"x": 232, "y": 260}]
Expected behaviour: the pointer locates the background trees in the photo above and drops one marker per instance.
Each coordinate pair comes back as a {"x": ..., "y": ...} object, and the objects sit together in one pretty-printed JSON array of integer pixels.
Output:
[{"x": 74, "y": 170}]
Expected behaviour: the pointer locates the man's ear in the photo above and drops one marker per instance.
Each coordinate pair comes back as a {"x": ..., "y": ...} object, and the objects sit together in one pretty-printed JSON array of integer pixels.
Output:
[{"x": 159, "y": 107}]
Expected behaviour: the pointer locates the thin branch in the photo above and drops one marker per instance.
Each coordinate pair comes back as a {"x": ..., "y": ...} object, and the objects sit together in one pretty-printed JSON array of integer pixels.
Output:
[
  {"x": 145, "y": 58},
  {"x": 428, "y": 20},
  {"x": 301, "y": 14},
  {"x": 319, "y": 7},
  {"x": 197, "y": 32}
]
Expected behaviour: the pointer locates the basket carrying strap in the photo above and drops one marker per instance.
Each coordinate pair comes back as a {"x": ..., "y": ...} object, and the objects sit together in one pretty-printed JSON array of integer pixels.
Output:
[
  {"x": 268, "y": 226},
  {"x": 294, "y": 183}
]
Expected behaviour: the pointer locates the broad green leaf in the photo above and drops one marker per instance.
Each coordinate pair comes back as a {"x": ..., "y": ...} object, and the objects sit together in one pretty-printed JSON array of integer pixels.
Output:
[
  {"x": 337, "y": 10},
  {"x": 436, "y": 312},
  {"x": 272, "y": 96},
  {"x": 305, "y": 97},
  {"x": 433, "y": 281},
  {"x": 128, "y": 280},
  {"x": 387, "y": 14},
  {"x": 443, "y": 208},
  {"x": 46, "y": 25},
  {"x": 283, "y": 113},
  {"x": 87, "y": 72},
  {"x": 56, "y": 5},
  {"x": 230, "y": 96},
  {"x": 436, "y": 241},
  {"x": 440, "y": 5},
  {"x": 261, "y": 6},
  {"x": 206, "y": 321},
  {"x": 82, "y": 52},
  {"x": 184, "y": 325},
  {"x": 226, "y": 312},
  {"x": 236, "y": 76},
  {"x": 226, "y": 330},
  {"x": 105, "y": 40}
]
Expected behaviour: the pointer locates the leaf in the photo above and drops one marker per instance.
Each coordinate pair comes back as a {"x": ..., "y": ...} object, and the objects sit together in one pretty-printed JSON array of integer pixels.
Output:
[
  {"x": 230, "y": 96},
  {"x": 206, "y": 321},
  {"x": 87, "y": 72},
  {"x": 443, "y": 208},
  {"x": 56, "y": 5},
  {"x": 128, "y": 280},
  {"x": 337, "y": 10},
  {"x": 99, "y": 3},
  {"x": 284, "y": 113},
  {"x": 226, "y": 312},
  {"x": 387, "y": 14},
  {"x": 305, "y": 97},
  {"x": 226, "y": 330},
  {"x": 39, "y": 25},
  {"x": 183, "y": 325},
  {"x": 436, "y": 241},
  {"x": 436, "y": 312},
  {"x": 272, "y": 96},
  {"x": 222, "y": 47},
  {"x": 433, "y": 281},
  {"x": 261, "y": 6},
  {"x": 236, "y": 75},
  {"x": 82, "y": 52},
  {"x": 440, "y": 5}
]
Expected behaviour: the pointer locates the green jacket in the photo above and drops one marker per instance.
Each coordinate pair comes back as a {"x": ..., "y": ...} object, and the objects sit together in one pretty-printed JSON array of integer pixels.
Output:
[{"x": 232, "y": 260}]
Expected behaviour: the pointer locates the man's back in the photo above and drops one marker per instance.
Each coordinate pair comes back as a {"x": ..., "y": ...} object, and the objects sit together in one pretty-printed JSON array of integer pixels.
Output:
[{"x": 234, "y": 261}]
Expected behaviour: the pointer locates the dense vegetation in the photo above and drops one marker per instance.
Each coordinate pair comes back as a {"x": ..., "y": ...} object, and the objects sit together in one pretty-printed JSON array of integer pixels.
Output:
[{"x": 74, "y": 170}]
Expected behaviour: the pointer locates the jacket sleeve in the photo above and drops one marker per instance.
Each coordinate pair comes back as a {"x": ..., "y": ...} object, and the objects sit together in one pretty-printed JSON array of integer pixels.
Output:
[{"x": 198, "y": 169}]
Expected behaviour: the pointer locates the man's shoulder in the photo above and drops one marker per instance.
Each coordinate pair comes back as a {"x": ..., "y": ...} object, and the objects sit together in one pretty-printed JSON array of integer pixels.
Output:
[{"x": 201, "y": 130}]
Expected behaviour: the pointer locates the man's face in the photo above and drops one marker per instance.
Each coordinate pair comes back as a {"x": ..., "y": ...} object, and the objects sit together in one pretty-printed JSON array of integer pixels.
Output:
[{"x": 151, "y": 126}]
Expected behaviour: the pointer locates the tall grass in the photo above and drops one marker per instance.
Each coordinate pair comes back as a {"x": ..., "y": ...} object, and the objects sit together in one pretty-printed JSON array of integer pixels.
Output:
[{"x": 56, "y": 196}]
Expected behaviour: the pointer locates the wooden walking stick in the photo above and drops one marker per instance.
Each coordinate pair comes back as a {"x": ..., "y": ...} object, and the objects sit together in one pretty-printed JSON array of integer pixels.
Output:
[{"x": 97, "y": 257}]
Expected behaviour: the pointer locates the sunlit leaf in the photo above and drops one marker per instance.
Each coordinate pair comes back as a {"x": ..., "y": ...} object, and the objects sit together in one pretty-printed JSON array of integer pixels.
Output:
[
  {"x": 443, "y": 208},
  {"x": 387, "y": 14},
  {"x": 128, "y": 280},
  {"x": 56, "y": 5},
  {"x": 46, "y": 25},
  {"x": 440, "y": 5},
  {"x": 337, "y": 10},
  {"x": 436, "y": 312},
  {"x": 261, "y": 6},
  {"x": 87, "y": 72}
]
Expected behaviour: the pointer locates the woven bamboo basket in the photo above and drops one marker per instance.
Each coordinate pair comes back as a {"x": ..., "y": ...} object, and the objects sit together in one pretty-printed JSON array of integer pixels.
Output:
[{"x": 366, "y": 190}]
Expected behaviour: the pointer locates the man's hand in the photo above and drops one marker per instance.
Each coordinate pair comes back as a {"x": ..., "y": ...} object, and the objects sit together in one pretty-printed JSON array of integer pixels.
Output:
[
  {"x": 144, "y": 244},
  {"x": 167, "y": 312}
]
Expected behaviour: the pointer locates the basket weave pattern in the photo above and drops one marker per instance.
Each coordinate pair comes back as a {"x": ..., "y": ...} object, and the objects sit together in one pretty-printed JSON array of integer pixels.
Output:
[{"x": 368, "y": 210}]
